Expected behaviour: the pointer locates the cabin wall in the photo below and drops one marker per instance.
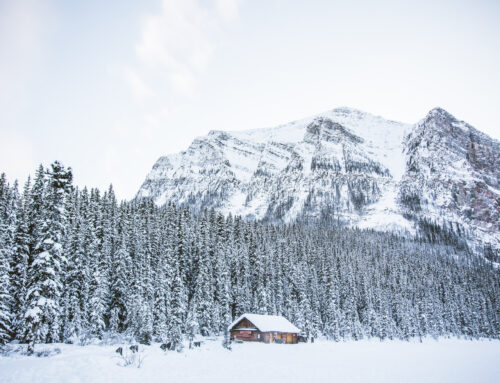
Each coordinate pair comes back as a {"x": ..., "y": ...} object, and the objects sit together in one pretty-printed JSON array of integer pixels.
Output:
[
  {"x": 266, "y": 337},
  {"x": 283, "y": 337},
  {"x": 246, "y": 330},
  {"x": 248, "y": 336}
]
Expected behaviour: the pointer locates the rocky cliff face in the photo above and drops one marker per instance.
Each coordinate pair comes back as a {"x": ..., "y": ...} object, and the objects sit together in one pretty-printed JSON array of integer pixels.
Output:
[
  {"x": 343, "y": 165},
  {"x": 452, "y": 175}
]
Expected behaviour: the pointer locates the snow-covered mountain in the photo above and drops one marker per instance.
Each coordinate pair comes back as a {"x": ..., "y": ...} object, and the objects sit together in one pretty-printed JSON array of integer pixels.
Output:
[
  {"x": 453, "y": 174},
  {"x": 344, "y": 165}
]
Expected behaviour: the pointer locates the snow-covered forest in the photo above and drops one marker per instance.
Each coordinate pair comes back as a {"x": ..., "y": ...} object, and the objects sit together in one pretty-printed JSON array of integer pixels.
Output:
[{"x": 76, "y": 264}]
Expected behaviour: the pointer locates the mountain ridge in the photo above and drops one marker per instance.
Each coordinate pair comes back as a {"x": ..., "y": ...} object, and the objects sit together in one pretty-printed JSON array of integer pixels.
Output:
[{"x": 345, "y": 165}]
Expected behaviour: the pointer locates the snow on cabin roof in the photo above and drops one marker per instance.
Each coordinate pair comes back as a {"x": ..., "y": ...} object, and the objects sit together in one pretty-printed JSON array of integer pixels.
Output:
[{"x": 266, "y": 323}]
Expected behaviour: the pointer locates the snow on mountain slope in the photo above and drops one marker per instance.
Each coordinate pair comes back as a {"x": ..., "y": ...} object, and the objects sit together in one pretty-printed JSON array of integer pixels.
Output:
[
  {"x": 336, "y": 162},
  {"x": 343, "y": 165}
]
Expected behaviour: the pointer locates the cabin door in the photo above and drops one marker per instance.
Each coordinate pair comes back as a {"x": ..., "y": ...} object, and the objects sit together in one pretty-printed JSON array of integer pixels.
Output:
[{"x": 289, "y": 338}]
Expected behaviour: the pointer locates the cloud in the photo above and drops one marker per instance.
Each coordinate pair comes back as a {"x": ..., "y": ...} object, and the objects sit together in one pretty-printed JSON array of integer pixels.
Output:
[
  {"x": 176, "y": 44},
  {"x": 228, "y": 9},
  {"x": 21, "y": 24},
  {"x": 139, "y": 87},
  {"x": 23, "y": 27}
]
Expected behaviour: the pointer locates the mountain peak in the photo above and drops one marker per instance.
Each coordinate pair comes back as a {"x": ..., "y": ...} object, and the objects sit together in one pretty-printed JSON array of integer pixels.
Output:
[
  {"x": 441, "y": 122},
  {"x": 438, "y": 111},
  {"x": 348, "y": 110}
]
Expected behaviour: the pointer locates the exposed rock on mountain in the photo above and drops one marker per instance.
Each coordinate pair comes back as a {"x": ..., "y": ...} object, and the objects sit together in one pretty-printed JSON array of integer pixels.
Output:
[{"x": 452, "y": 175}]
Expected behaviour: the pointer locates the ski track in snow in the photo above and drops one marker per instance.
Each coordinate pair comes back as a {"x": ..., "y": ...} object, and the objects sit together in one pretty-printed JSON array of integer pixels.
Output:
[{"x": 446, "y": 360}]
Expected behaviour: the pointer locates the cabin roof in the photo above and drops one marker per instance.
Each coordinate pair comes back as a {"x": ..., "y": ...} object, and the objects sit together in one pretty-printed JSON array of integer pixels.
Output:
[{"x": 267, "y": 323}]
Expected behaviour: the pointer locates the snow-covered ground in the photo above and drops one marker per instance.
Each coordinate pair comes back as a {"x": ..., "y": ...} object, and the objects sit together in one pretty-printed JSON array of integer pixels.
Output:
[{"x": 449, "y": 360}]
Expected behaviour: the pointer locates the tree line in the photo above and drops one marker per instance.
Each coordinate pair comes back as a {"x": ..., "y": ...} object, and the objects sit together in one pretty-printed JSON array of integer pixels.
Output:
[{"x": 75, "y": 264}]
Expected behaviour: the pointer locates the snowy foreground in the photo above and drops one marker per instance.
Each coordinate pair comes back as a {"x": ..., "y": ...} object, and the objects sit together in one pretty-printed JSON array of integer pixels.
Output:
[{"x": 365, "y": 361}]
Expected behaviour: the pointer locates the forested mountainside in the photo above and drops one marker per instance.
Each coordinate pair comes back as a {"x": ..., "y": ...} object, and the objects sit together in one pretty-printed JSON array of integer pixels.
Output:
[
  {"x": 76, "y": 265},
  {"x": 345, "y": 166}
]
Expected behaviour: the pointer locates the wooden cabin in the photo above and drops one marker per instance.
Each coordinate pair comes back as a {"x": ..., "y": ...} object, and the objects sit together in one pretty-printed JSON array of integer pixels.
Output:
[{"x": 263, "y": 328}]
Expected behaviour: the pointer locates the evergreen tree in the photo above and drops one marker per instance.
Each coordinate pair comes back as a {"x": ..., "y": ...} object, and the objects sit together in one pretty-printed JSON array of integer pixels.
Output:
[
  {"x": 19, "y": 264},
  {"x": 119, "y": 290},
  {"x": 178, "y": 310},
  {"x": 43, "y": 296},
  {"x": 6, "y": 250},
  {"x": 5, "y": 314},
  {"x": 191, "y": 326}
]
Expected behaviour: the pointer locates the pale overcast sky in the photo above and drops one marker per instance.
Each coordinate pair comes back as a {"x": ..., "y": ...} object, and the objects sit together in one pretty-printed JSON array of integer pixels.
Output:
[{"x": 109, "y": 86}]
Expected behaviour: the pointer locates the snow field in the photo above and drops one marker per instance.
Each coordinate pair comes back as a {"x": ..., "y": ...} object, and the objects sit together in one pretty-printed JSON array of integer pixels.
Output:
[{"x": 447, "y": 360}]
